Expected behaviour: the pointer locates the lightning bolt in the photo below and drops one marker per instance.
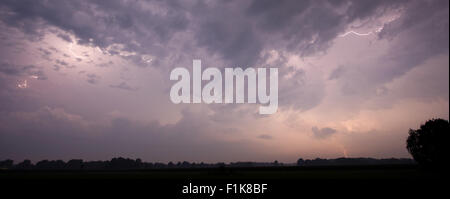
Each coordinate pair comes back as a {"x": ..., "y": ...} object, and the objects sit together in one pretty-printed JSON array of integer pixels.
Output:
[
  {"x": 345, "y": 152},
  {"x": 355, "y": 33},
  {"x": 361, "y": 34}
]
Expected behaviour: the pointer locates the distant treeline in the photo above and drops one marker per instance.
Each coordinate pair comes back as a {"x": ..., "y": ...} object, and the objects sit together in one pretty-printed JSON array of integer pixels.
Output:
[
  {"x": 354, "y": 161},
  {"x": 131, "y": 164}
]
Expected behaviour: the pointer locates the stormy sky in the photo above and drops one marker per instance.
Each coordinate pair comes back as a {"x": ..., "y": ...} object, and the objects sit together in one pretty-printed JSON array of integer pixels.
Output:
[{"x": 90, "y": 79}]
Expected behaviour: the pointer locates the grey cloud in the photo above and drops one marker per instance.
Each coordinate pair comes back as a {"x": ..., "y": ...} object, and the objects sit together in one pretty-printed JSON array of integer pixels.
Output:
[
  {"x": 223, "y": 29},
  {"x": 11, "y": 69},
  {"x": 323, "y": 133},
  {"x": 307, "y": 27},
  {"x": 21, "y": 70},
  {"x": 66, "y": 37},
  {"x": 56, "y": 67},
  {"x": 416, "y": 13},
  {"x": 44, "y": 52},
  {"x": 237, "y": 32},
  {"x": 265, "y": 137},
  {"x": 337, "y": 73},
  {"x": 92, "y": 78},
  {"x": 239, "y": 46},
  {"x": 61, "y": 62},
  {"x": 39, "y": 73},
  {"x": 420, "y": 33},
  {"x": 99, "y": 22},
  {"x": 302, "y": 26},
  {"x": 124, "y": 86},
  {"x": 53, "y": 49},
  {"x": 105, "y": 64},
  {"x": 367, "y": 8},
  {"x": 277, "y": 15}
]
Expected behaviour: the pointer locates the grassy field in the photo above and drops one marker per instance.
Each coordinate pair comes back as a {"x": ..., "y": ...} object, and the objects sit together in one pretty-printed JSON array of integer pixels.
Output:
[{"x": 399, "y": 172}]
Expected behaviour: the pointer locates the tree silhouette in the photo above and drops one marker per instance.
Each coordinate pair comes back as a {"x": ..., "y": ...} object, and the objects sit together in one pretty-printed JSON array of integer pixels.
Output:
[{"x": 428, "y": 144}]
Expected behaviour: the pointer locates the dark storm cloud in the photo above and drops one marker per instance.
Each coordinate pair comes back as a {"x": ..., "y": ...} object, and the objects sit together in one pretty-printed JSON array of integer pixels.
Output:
[
  {"x": 99, "y": 22},
  {"x": 238, "y": 31},
  {"x": 277, "y": 14},
  {"x": 307, "y": 27},
  {"x": 236, "y": 42},
  {"x": 302, "y": 26},
  {"x": 223, "y": 28}
]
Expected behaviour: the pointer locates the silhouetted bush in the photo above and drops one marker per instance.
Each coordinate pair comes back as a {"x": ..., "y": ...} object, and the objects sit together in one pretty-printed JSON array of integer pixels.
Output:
[
  {"x": 74, "y": 164},
  {"x": 50, "y": 165},
  {"x": 428, "y": 145},
  {"x": 122, "y": 163},
  {"x": 300, "y": 162},
  {"x": 26, "y": 164},
  {"x": 6, "y": 164}
]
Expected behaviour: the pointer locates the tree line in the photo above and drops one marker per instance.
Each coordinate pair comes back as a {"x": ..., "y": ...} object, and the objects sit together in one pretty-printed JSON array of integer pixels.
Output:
[{"x": 136, "y": 164}]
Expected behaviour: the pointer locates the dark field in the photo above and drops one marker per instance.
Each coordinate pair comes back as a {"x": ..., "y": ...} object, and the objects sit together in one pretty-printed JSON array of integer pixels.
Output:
[
  {"x": 258, "y": 173},
  {"x": 348, "y": 181}
]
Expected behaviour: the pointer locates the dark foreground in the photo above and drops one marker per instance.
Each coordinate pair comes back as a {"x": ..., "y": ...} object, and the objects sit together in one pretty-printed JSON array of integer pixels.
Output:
[{"x": 296, "y": 182}]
